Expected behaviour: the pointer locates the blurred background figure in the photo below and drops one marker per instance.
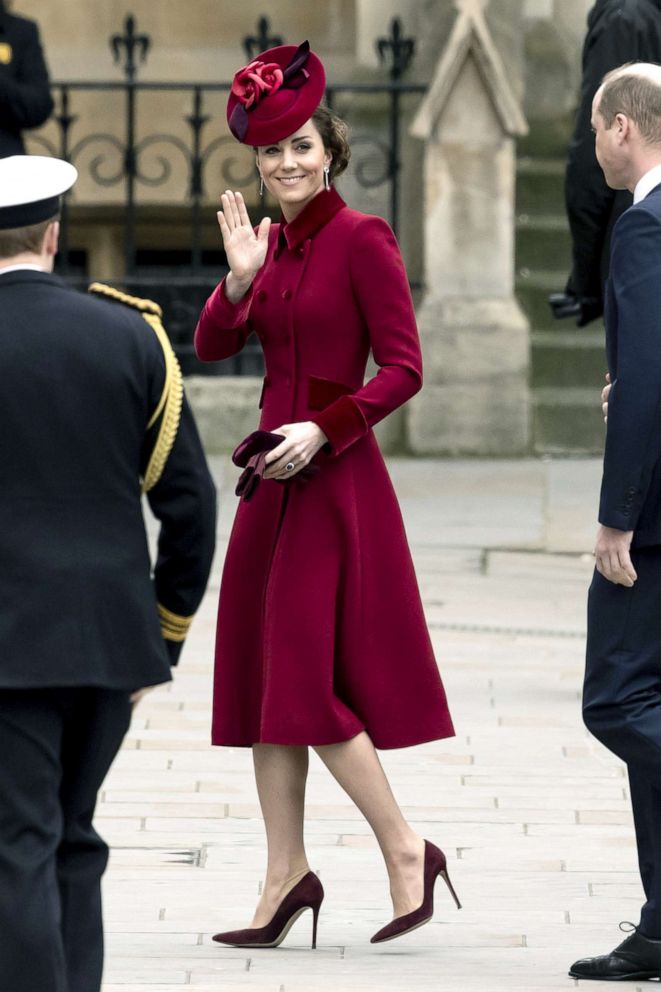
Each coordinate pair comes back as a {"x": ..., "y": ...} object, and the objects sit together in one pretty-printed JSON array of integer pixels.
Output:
[
  {"x": 619, "y": 31},
  {"x": 25, "y": 98}
]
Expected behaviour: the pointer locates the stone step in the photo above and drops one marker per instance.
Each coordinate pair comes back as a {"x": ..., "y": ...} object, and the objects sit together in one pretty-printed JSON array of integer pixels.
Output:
[
  {"x": 567, "y": 420},
  {"x": 542, "y": 242},
  {"x": 540, "y": 186},
  {"x": 533, "y": 288},
  {"x": 568, "y": 363},
  {"x": 573, "y": 357},
  {"x": 548, "y": 138}
]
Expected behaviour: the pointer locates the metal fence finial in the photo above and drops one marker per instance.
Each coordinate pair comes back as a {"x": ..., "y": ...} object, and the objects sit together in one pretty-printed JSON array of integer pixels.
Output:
[
  {"x": 396, "y": 49},
  {"x": 131, "y": 43},
  {"x": 253, "y": 44}
]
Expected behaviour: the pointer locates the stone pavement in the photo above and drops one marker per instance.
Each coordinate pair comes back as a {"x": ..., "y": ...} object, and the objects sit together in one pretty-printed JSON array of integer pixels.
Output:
[{"x": 532, "y": 813}]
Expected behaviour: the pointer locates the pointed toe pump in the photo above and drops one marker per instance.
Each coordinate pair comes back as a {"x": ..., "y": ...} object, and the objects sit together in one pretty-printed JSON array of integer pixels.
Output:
[
  {"x": 435, "y": 864},
  {"x": 306, "y": 894}
]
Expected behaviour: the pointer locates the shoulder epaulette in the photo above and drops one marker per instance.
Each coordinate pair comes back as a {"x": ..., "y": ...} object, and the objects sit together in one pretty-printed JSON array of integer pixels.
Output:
[
  {"x": 135, "y": 302},
  {"x": 172, "y": 397}
]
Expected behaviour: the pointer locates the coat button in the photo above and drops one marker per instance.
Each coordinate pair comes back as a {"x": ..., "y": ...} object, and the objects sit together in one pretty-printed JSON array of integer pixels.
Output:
[
  {"x": 262, "y": 295},
  {"x": 301, "y": 250},
  {"x": 287, "y": 294}
]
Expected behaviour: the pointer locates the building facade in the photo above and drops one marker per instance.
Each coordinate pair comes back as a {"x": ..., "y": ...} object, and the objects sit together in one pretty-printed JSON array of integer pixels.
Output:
[{"x": 146, "y": 217}]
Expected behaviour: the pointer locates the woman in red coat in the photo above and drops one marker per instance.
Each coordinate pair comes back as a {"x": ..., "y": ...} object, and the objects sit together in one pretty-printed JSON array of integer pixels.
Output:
[{"x": 321, "y": 638}]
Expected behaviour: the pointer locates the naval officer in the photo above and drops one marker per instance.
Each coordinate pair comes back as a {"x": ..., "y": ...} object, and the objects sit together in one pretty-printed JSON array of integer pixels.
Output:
[{"x": 92, "y": 414}]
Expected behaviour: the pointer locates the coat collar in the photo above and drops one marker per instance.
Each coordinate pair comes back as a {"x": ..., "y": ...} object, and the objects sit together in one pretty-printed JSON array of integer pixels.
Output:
[
  {"x": 29, "y": 276},
  {"x": 312, "y": 218}
]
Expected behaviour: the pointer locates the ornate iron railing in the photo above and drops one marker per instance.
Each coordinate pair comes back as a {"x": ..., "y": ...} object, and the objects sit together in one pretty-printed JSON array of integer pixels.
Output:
[{"x": 131, "y": 170}]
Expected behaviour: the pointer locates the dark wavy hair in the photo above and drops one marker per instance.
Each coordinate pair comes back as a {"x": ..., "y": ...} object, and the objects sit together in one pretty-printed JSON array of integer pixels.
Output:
[{"x": 335, "y": 136}]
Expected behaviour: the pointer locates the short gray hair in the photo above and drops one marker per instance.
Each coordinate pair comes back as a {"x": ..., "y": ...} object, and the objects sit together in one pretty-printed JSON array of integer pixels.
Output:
[{"x": 637, "y": 96}]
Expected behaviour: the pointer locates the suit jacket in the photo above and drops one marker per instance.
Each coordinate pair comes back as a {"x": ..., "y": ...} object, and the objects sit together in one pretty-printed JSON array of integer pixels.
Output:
[
  {"x": 619, "y": 31},
  {"x": 81, "y": 379},
  {"x": 25, "y": 98},
  {"x": 631, "y": 485}
]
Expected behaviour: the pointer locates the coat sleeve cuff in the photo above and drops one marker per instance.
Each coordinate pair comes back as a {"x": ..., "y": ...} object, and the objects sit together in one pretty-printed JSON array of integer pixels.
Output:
[
  {"x": 227, "y": 314},
  {"x": 618, "y": 520},
  {"x": 174, "y": 650},
  {"x": 342, "y": 422},
  {"x": 174, "y": 629},
  {"x": 624, "y": 515}
]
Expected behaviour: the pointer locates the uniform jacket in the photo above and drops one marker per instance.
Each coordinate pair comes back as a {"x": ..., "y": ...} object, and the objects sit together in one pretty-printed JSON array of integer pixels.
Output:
[
  {"x": 25, "y": 98},
  {"x": 321, "y": 632},
  {"x": 619, "y": 31},
  {"x": 78, "y": 604},
  {"x": 631, "y": 486}
]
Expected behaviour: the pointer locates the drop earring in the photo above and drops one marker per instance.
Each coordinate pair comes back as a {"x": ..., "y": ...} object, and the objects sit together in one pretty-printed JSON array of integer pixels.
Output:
[
  {"x": 327, "y": 182},
  {"x": 261, "y": 185}
]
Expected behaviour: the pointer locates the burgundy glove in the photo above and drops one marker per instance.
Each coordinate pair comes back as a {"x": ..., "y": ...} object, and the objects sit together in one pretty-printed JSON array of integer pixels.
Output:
[{"x": 250, "y": 455}]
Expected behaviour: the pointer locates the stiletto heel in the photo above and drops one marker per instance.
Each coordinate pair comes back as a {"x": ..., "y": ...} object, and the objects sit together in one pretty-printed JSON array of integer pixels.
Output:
[
  {"x": 306, "y": 894},
  {"x": 315, "y": 917},
  {"x": 446, "y": 878},
  {"x": 435, "y": 864}
]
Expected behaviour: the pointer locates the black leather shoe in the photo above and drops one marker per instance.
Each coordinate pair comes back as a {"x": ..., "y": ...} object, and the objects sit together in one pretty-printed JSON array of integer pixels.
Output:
[{"x": 636, "y": 958}]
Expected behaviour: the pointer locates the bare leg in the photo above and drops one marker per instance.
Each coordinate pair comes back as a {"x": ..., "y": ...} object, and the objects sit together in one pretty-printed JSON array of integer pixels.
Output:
[
  {"x": 280, "y": 773},
  {"x": 356, "y": 767}
]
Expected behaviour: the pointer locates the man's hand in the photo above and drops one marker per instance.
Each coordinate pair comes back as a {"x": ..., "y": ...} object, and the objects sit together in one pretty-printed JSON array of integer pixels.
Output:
[
  {"x": 612, "y": 555},
  {"x": 605, "y": 393}
]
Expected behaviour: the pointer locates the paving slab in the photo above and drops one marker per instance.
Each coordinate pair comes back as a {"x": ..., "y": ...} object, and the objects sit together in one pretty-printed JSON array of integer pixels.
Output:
[{"x": 533, "y": 813}]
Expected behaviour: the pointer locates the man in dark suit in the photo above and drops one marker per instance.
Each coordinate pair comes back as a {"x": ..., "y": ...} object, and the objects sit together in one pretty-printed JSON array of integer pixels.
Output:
[
  {"x": 622, "y": 691},
  {"x": 25, "y": 98},
  {"x": 91, "y": 413},
  {"x": 619, "y": 31}
]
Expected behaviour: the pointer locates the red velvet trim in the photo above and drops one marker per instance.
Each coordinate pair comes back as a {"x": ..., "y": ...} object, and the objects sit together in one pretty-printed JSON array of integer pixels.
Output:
[
  {"x": 318, "y": 212},
  {"x": 342, "y": 422},
  {"x": 231, "y": 314},
  {"x": 322, "y": 392}
]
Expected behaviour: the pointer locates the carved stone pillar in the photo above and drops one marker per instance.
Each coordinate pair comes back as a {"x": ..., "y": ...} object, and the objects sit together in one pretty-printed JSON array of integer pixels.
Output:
[{"x": 475, "y": 338}]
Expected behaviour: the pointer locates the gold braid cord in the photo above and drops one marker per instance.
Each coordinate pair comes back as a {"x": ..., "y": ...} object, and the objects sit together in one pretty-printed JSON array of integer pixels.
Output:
[
  {"x": 173, "y": 627},
  {"x": 172, "y": 397}
]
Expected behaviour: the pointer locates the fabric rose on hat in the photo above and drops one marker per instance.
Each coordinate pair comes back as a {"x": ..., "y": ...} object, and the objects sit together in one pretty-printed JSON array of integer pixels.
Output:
[{"x": 255, "y": 81}]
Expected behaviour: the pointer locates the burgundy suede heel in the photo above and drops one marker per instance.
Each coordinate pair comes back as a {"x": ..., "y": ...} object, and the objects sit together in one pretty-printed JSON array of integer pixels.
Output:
[
  {"x": 306, "y": 894},
  {"x": 435, "y": 864}
]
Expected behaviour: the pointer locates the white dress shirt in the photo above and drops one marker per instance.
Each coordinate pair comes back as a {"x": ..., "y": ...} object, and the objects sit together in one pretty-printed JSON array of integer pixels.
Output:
[
  {"x": 17, "y": 268},
  {"x": 647, "y": 183}
]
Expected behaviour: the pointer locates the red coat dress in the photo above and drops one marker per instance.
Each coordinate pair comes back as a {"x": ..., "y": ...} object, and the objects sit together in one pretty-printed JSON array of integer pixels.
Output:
[{"x": 321, "y": 632}]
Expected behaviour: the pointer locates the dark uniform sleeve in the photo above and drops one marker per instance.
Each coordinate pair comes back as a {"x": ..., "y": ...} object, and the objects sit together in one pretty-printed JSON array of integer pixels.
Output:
[
  {"x": 184, "y": 501},
  {"x": 25, "y": 97},
  {"x": 176, "y": 479},
  {"x": 590, "y": 202}
]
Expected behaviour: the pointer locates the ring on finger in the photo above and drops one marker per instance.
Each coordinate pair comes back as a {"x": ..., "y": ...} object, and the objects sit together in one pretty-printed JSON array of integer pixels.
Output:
[{"x": 289, "y": 467}]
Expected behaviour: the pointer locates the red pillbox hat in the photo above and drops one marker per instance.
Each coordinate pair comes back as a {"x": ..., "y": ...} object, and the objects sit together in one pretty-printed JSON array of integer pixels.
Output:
[{"x": 275, "y": 94}]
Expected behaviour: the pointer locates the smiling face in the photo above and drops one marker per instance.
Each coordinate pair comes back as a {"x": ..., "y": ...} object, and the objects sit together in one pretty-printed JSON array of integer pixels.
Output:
[{"x": 293, "y": 169}]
